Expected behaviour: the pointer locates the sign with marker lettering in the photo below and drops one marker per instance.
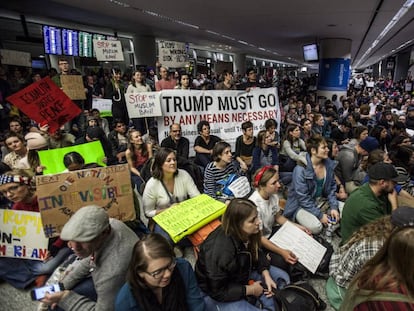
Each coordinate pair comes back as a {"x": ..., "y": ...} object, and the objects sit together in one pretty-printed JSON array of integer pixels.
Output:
[
  {"x": 172, "y": 54},
  {"x": 44, "y": 102},
  {"x": 72, "y": 86},
  {"x": 143, "y": 104},
  {"x": 61, "y": 195},
  {"x": 22, "y": 235},
  {"x": 224, "y": 110},
  {"x": 108, "y": 50}
]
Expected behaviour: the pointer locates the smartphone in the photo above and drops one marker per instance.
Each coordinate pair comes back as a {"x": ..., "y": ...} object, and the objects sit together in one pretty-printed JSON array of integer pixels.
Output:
[{"x": 39, "y": 293}]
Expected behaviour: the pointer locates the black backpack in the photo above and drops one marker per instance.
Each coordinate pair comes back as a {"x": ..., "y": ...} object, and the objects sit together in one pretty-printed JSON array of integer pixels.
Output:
[{"x": 298, "y": 296}]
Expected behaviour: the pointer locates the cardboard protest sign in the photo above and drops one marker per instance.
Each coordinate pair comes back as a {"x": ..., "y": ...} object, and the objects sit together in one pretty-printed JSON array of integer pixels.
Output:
[
  {"x": 190, "y": 215},
  {"x": 172, "y": 54},
  {"x": 52, "y": 159},
  {"x": 144, "y": 104},
  {"x": 22, "y": 235},
  {"x": 72, "y": 86},
  {"x": 61, "y": 195},
  {"x": 103, "y": 105},
  {"x": 44, "y": 102},
  {"x": 108, "y": 50},
  {"x": 224, "y": 110},
  {"x": 17, "y": 58}
]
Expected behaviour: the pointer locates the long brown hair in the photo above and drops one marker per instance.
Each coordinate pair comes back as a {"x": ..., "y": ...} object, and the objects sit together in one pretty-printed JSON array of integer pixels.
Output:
[{"x": 133, "y": 148}]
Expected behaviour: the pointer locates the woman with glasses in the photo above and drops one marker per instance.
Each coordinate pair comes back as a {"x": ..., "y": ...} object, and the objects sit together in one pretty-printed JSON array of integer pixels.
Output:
[
  {"x": 156, "y": 280},
  {"x": 18, "y": 187},
  {"x": 312, "y": 193},
  {"x": 232, "y": 270}
]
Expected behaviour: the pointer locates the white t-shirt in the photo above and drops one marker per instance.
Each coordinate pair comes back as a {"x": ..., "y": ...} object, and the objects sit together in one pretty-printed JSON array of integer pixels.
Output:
[{"x": 267, "y": 209}]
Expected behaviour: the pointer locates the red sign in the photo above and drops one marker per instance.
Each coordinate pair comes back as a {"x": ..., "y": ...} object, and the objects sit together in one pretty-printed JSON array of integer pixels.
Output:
[{"x": 44, "y": 102}]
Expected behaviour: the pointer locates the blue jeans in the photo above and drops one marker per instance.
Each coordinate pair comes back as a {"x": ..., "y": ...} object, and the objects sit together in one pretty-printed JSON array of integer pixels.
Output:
[{"x": 278, "y": 275}]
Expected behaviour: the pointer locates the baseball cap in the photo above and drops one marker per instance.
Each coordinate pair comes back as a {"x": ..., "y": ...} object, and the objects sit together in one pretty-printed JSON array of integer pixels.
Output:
[
  {"x": 385, "y": 171},
  {"x": 86, "y": 224}
]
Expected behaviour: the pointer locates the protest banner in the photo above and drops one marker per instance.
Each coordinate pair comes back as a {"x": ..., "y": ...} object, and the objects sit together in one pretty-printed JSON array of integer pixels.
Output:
[
  {"x": 108, "y": 50},
  {"x": 17, "y": 58},
  {"x": 61, "y": 195},
  {"x": 22, "y": 235},
  {"x": 143, "y": 104},
  {"x": 52, "y": 159},
  {"x": 44, "y": 102},
  {"x": 103, "y": 105},
  {"x": 224, "y": 110},
  {"x": 73, "y": 87},
  {"x": 190, "y": 215},
  {"x": 172, "y": 54}
]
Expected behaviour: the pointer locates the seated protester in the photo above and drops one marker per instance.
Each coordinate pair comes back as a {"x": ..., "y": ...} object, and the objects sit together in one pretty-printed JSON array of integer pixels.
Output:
[
  {"x": 264, "y": 153},
  {"x": 151, "y": 138},
  {"x": 204, "y": 143},
  {"x": 306, "y": 129},
  {"x": 333, "y": 152},
  {"x": 102, "y": 122},
  {"x": 291, "y": 150},
  {"x": 178, "y": 143},
  {"x": 386, "y": 281},
  {"x": 349, "y": 162},
  {"x": 349, "y": 259},
  {"x": 167, "y": 186},
  {"x": 265, "y": 197},
  {"x": 359, "y": 134},
  {"x": 60, "y": 139},
  {"x": 372, "y": 200},
  {"x": 118, "y": 138},
  {"x": 156, "y": 280},
  {"x": 402, "y": 158},
  {"x": 342, "y": 133},
  {"x": 136, "y": 155},
  {"x": 73, "y": 161},
  {"x": 231, "y": 256},
  {"x": 17, "y": 150},
  {"x": 34, "y": 142},
  {"x": 381, "y": 134},
  {"x": 311, "y": 195},
  {"x": 399, "y": 141},
  {"x": 18, "y": 187},
  {"x": 104, "y": 246},
  {"x": 270, "y": 126},
  {"x": 16, "y": 126},
  {"x": 318, "y": 123},
  {"x": 244, "y": 146},
  {"x": 220, "y": 169}
]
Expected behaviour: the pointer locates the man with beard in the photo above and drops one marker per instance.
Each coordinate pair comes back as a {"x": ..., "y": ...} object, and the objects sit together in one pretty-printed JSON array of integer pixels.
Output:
[
  {"x": 373, "y": 200},
  {"x": 177, "y": 142}
]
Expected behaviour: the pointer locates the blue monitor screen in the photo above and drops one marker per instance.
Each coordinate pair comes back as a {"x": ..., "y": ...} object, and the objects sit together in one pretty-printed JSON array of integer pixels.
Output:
[
  {"x": 70, "y": 42},
  {"x": 52, "y": 40},
  {"x": 310, "y": 53}
]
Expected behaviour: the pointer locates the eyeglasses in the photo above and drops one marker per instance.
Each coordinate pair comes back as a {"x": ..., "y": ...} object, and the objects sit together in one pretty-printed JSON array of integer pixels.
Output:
[
  {"x": 160, "y": 272},
  {"x": 11, "y": 189},
  {"x": 176, "y": 131}
]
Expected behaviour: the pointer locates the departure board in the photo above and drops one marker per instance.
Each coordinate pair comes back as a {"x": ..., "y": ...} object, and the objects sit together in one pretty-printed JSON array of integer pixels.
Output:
[
  {"x": 70, "y": 42},
  {"x": 52, "y": 40},
  {"x": 85, "y": 44}
]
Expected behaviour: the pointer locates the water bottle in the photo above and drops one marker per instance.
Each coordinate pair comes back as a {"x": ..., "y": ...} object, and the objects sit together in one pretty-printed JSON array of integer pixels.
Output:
[{"x": 329, "y": 233}]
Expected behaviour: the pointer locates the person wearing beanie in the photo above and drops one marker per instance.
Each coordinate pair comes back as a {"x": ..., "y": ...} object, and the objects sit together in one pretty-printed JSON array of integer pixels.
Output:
[
  {"x": 349, "y": 162},
  {"x": 34, "y": 142},
  {"x": 372, "y": 200},
  {"x": 104, "y": 246}
]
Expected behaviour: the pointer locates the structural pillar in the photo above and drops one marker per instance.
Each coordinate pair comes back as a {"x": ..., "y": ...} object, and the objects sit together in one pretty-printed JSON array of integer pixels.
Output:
[
  {"x": 239, "y": 64},
  {"x": 334, "y": 67},
  {"x": 145, "y": 50}
]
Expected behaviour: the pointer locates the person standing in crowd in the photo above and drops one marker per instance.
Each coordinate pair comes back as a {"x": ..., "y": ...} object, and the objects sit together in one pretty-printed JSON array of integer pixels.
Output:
[
  {"x": 227, "y": 83},
  {"x": 204, "y": 143},
  {"x": 104, "y": 246},
  {"x": 224, "y": 268},
  {"x": 165, "y": 83},
  {"x": 245, "y": 144},
  {"x": 311, "y": 195},
  {"x": 252, "y": 81},
  {"x": 115, "y": 90},
  {"x": 157, "y": 280},
  {"x": 184, "y": 82},
  {"x": 177, "y": 142}
]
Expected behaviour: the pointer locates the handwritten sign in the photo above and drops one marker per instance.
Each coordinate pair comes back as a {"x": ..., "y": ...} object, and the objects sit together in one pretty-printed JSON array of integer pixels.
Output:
[
  {"x": 17, "y": 58},
  {"x": 44, "y": 102},
  {"x": 307, "y": 249},
  {"x": 61, "y": 195},
  {"x": 108, "y": 50},
  {"x": 103, "y": 105},
  {"x": 22, "y": 235},
  {"x": 143, "y": 104},
  {"x": 52, "y": 159},
  {"x": 73, "y": 86},
  {"x": 172, "y": 54},
  {"x": 190, "y": 215}
]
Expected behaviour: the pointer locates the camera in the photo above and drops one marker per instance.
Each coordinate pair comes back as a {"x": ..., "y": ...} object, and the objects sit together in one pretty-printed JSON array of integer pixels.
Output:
[{"x": 39, "y": 293}]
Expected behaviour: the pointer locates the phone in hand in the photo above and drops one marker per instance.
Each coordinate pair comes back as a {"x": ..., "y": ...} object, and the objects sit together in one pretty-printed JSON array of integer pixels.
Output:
[{"x": 39, "y": 293}]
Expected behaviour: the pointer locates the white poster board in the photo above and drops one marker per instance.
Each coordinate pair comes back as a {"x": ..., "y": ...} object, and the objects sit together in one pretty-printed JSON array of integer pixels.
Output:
[
  {"x": 172, "y": 54},
  {"x": 108, "y": 50},
  {"x": 143, "y": 104},
  {"x": 17, "y": 58},
  {"x": 103, "y": 105}
]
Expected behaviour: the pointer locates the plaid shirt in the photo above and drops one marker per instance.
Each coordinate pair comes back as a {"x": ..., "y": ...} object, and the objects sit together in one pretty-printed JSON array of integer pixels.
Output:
[{"x": 348, "y": 260}]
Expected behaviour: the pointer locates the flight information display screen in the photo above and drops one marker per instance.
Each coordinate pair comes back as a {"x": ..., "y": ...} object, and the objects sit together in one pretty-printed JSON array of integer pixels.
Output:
[
  {"x": 52, "y": 40},
  {"x": 70, "y": 42},
  {"x": 85, "y": 44}
]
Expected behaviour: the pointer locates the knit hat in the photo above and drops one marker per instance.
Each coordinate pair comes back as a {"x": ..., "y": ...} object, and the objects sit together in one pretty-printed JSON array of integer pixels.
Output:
[
  {"x": 368, "y": 144},
  {"x": 86, "y": 224},
  {"x": 403, "y": 217},
  {"x": 35, "y": 141},
  {"x": 8, "y": 179},
  {"x": 385, "y": 171}
]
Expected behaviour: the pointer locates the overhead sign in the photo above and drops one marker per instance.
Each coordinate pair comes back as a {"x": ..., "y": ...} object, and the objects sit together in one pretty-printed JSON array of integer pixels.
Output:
[
  {"x": 61, "y": 195},
  {"x": 143, "y": 104},
  {"x": 108, "y": 50},
  {"x": 172, "y": 54},
  {"x": 22, "y": 235},
  {"x": 44, "y": 102},
  {"x": 17, "y": 58}
]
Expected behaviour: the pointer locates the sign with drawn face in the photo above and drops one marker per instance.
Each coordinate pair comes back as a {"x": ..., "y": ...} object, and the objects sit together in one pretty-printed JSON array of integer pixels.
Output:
[{"x": 61, "y": 195}]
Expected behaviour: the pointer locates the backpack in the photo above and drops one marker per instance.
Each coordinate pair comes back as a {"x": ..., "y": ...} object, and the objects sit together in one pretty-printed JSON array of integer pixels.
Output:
[
  {"x": 298, "y": 297},
  {"x": 197, "y": 238}
]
